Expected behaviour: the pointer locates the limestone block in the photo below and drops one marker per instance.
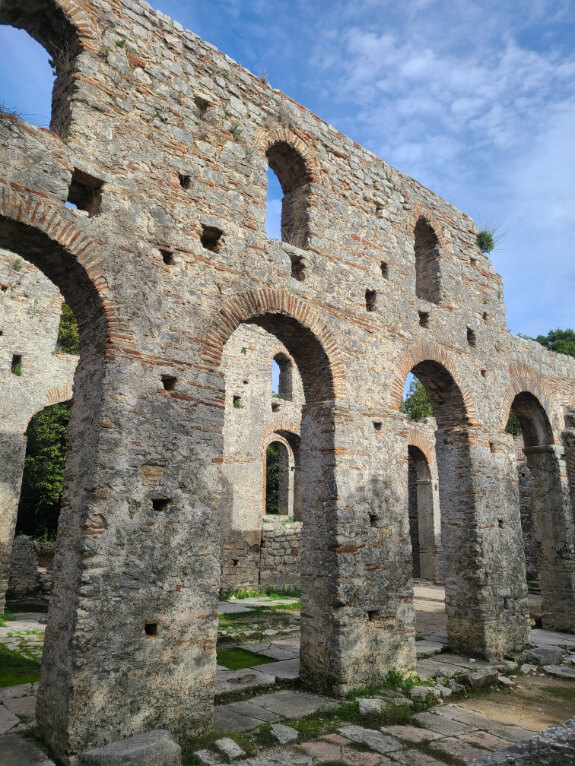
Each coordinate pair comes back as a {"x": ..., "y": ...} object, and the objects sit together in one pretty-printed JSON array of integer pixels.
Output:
[
  {"x": 543, "y": 655},
  {"x": 153, "y": 748}
]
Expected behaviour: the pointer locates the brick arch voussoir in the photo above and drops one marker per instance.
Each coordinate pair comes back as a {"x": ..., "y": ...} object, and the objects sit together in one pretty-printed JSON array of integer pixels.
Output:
[
  {"x": 271, "y": 432},
  {"x": 59, "y": 394},
  {"x": 267, "y": 138},
  {"x": 524, "y": 379},
  {"x": 267, "y": 301},
  {"x": 80, "y": 14},
  {"x": 422, "y": 212},
  {"x": 416, "y": 439},
  {"x": 429, "y": 352},
  {"x": 20, "y": 205}
]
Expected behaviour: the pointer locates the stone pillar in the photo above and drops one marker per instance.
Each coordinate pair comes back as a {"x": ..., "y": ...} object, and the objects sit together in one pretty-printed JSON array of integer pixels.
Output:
[
  {"x": 426, "y": 524},
  {"x": 132, "y": 625},
  {"x": 358, "y": 620},
  {"x": 12, "y": 454},
  {"x": 485, "y": 589},
  {"x": 555, "y": 532}
]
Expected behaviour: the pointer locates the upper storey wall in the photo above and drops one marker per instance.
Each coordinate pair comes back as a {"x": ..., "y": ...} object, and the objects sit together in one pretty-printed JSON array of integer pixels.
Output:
[{"x": 151, "y": 101}]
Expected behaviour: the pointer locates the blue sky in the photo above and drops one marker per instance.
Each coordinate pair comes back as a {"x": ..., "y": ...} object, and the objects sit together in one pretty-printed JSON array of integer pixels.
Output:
[{"x": 474, "y": 98}]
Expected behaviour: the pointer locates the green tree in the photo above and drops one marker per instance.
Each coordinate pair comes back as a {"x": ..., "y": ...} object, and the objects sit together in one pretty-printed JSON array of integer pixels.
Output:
[
  {"x": 562, "y": 341},
  {"x": 272, "y": 478},
  {"x": 41, "y": 492},
  {"x": 417, "y": 404},
  {"x": 68, "y": 336}
]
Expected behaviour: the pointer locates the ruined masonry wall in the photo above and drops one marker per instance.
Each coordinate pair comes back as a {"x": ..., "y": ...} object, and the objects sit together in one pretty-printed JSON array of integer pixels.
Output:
[
  {"x": 30, "y": 308},
  {"x": 279, "y": 555},
  {"x": 168, "y": 138}
]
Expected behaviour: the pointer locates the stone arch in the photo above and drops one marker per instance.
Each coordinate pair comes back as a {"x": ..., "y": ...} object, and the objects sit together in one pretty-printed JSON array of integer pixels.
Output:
[
  {"x": 58, "y": 395},
  {"x": 249, "y": 306},
  {"x": 525, "y": 380},
  {"x": 28, "y": 210},
  {"x": 429, "y": 352},
  {"x": 416, "y": 439},
  {"x": 78, "y": 13},
  {"x": 421, "y": 212},
  {"x": 283, "y": 135}
]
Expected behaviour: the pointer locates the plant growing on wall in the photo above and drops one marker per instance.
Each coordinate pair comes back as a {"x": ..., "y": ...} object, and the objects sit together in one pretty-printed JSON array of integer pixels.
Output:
[{"x": 485, "y": 241}]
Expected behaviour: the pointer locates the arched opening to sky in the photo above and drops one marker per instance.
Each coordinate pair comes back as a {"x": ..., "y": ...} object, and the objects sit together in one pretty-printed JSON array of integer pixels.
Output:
[
  {"x": 274, "y": 207},
  {"x": 26, "y": 77}
]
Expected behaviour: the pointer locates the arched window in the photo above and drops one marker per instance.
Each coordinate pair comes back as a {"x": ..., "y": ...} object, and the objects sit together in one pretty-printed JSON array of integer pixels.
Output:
[
  {"x": 38, "y": 85},
  {"x": 293, "y": 177},
  {"x": 427, "y": 274},
  {"x": 282, "y": 377}
]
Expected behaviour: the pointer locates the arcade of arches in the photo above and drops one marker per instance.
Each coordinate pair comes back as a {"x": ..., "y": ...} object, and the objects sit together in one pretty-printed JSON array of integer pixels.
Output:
[{"x": 154, "y": 234}]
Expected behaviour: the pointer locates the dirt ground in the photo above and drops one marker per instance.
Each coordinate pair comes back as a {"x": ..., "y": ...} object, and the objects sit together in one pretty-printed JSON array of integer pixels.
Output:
[{"x": 535, "y": 703}]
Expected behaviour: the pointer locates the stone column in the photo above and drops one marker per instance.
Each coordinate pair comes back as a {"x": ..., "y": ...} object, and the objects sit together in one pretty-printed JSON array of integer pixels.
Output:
[
  {"x": 12, "y": 454},
  {"x": 485, "y": 588},
  {"x": 426, "y": 524},
  {"x": 555, "y": 531},
  {"x": 132, "y": 626}
]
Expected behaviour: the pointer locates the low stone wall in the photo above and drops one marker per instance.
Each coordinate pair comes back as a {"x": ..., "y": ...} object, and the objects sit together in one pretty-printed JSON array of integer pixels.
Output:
[
  {"x": 30, "y": 567},
  {"x": 279, "y": 554}
]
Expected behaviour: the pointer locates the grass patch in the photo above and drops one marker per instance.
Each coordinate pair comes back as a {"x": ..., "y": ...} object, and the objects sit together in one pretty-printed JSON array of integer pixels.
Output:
[
  {"x": 563, "y": 692},
  {"x": 293, "y": 607},
  {"x": 5, "y": 617},
  {"x": 272, "y": 593},
  {"x": 236, "y": 658},
  {"x": 16, "y": 669}
]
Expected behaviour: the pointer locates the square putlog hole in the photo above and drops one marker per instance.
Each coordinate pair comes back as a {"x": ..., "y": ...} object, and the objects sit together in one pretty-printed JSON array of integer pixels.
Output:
[
  {"x": 372, "y": 615},
  {"x": 167, "y": 257},
  {"x": 169, "y": 382},
  {"x": 185, "y": 181},
  {"x": 151, "y": 629},
  {"x": 423, "y": 318},
  {"x": 212, "y": 238},
  {"x": 370, "y": 300},
  {"x": 161, "y": 503},
  {"x": 85, "y": 192}
]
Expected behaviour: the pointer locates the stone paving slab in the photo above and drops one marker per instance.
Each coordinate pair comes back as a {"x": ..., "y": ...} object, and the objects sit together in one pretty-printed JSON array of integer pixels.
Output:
[
  {"x": 458, "y": 748},
  {"x": 294, "y": 704},
  {"x": 7, "y": 720},
  {"x": 235, "y": 681},
  {"x": 22, "y": 706},
  {"x": 417, "y": 758},
  {"x": 283, "y": 669},
  {"x": 237, "y": 711},
  {"x": 279, "y": 758},
  {"x": 551, "y": 638},
  {"x": 442, "y": 725},
  {"x": 428, "y": 669},
  {"x": 381, "y": 743},
  {"x": 411, "y": 733},
  {"x": 485, "y": 740},
  {"x": 425, "y": 648},
  {"x": 22, "y": 690},
  {"x": 273, "y": 651},
  {"x": 480, "y": 721},
  {"x": 15, "y": 751}
]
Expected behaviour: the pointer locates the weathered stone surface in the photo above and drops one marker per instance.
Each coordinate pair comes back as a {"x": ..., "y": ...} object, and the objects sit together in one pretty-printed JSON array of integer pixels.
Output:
[
  {"x": 293, "y": 704},
  {"x": 229, "y": 748},
  {"x": 163, "y": 145},
  {"x": 284, "y": 734},
  {"x": 207, "y": 758},
  {"x": 554, "y": 746},
  {"x": 543, "y": 656},
  {"x": 8, "y": 720},
  {"x": 479, "y": 679},
  {"x": 154, "y": 748},
  {"x": 381, "y": 743},
  {"x": 368, "y": 706},
  {"x": 231, "y": 682},
  {"x": 411, "y": 733},
  {"x": 15, "y": 751},
  {"x": 560, "y": 671},
  {"x": 424, "y": 693}
]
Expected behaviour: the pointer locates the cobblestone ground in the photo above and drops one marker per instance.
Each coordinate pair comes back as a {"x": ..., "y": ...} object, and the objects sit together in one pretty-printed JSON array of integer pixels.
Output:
[{"x": 446, "y": 734}]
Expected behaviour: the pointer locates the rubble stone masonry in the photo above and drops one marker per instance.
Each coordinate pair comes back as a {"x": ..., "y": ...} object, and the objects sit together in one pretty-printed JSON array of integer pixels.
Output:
[{"x": 162, "y": 143}]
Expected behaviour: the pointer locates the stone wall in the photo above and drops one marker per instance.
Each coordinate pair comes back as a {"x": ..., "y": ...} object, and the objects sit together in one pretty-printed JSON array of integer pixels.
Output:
[
  {"x": 163, "y": 144},
  {"x": 33, "y": 373},
  {"x": 279, "y": 556}
]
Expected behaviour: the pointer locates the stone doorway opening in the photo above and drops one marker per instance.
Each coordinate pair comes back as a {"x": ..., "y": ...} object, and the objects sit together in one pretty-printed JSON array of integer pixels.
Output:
[
  {"x": 299, "y": 420},
  {"x": 546, "y": 512}
]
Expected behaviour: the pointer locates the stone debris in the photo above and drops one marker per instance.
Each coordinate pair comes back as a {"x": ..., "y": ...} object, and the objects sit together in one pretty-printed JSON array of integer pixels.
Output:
[
  {"x": 284, "y": 734},
  {"x": 228, "y": 747},
  {"x": 559, "y": 671},
  {"x": 371, "y": 705},
  {"x": 15, "y": 751},
  {"x": 480, "y": 678},
  {"x": 527, "y": 668},
  {"x": 157, "y": 747},
  {"x": 543, "y": 655},
  {"x": 425, "y": 693},
  {"x": 207, "y": 758},
  {"x": 377, "y": 741}
]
